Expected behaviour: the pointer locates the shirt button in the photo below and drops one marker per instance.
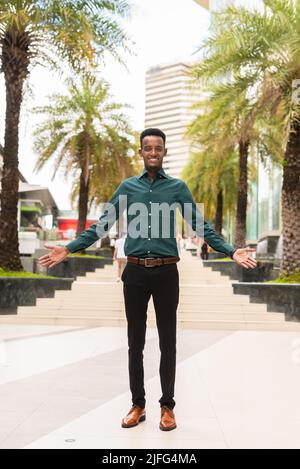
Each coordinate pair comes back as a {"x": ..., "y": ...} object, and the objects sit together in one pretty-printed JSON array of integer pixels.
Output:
[
  {"x": 148, "y": 252},
  {"x": 149, "y": 226},
  {"x": 150, "y": 202},
  {"x": 149, "y": 239},
  {"x": 150, "y": 190}
]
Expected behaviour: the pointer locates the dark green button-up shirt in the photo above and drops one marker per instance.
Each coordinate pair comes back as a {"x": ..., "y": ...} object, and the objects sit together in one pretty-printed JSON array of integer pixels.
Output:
[{"x": 151, "y": 217}]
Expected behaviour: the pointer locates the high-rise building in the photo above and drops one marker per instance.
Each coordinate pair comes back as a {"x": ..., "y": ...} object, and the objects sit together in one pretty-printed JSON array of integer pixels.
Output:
[{"x": 169, "y": 97}]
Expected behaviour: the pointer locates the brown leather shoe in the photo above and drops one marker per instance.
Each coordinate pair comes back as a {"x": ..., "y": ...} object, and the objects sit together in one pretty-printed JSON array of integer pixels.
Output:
[
  {"x": 167, "y": 420},
  {"x": 134, "y": 417}
]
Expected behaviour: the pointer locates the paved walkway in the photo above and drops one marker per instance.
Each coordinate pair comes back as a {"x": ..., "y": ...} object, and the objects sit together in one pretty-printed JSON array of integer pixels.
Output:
[
  {"x": 64, "y": 380},
  {"x": 67, "y": 387}
]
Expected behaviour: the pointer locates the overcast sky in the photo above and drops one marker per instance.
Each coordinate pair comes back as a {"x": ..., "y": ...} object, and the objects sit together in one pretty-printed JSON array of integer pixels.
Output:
[{"x": 163, "y": 31}]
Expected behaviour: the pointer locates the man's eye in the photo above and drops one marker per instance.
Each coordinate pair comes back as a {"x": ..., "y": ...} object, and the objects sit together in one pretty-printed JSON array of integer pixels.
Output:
[{"x": 150, "y": 149}]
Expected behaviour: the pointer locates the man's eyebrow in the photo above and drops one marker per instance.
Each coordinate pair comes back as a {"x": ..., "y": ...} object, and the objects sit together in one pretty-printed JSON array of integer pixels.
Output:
[{"x": 157, "y": 146}]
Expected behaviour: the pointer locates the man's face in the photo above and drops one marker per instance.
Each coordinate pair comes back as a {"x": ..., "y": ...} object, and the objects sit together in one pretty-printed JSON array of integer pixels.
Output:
[{"x": 153, "y": 151}]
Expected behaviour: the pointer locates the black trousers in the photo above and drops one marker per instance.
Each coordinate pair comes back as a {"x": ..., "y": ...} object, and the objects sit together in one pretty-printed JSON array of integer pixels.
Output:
[{"x": 139, "y": 284}]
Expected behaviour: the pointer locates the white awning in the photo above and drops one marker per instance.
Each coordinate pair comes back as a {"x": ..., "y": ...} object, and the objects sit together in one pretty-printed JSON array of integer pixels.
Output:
[{"x": 36, "y": 192}]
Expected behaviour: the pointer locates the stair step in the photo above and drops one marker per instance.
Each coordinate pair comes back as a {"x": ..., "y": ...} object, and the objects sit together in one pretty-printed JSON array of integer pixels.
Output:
[
  {"x": 115, "y": 311},
  {"x": 207, "y": 301},
  {"x": 99, "y": 297},
  {"x": 121, "y": 322},
  {"x": 94, "y": 306},
  {"x": 204, "y": 281}
]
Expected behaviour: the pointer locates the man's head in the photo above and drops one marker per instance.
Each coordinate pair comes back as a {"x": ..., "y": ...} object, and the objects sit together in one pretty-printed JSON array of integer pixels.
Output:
[{"x": 153, "y": 148}]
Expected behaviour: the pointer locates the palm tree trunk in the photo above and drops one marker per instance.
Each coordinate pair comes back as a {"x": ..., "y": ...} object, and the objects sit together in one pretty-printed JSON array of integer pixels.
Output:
[
  {"x": 15, "y": 64},
  {"x": 291, "y": 202},
  {"x": 240, "y": 233},
  {"x": 83, "y": 203},
  {"x": 219, "y": 213}
]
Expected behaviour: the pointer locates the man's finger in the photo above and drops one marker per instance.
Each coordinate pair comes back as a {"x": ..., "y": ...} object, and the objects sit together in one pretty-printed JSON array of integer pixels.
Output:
[
  {"x": 46, "y": 261},
  {"x": 250, "y": 249},
  {"x": 252, "y": 261},
  {"x": 43, "y": 261},
  {"x": 249, "y": 261},
  {"x": 46, "y": 256}
]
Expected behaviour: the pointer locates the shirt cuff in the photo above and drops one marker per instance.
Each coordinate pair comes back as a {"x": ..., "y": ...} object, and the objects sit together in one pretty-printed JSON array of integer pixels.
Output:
[
  {"x": 232, "y": 252},
  {"x": 72, "y": 246}
]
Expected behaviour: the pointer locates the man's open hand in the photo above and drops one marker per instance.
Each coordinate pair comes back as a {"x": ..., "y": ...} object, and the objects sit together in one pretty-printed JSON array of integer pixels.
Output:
[
  {"x": 56, "y": 255},
  {"x": 242, "y": 258}
]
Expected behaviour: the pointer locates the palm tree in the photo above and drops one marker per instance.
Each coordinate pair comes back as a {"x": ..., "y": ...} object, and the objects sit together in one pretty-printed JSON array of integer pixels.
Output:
[
  {"x": 119, "y": 160},
  {"x": 214, "y": 180},
  {"x": 224, "y": 128},
  {"x": 89, "y": 134},
  {"x": 44, "y": 31},
  {"x": 226, "y": 117},
  {"x": 211, "y": 172},
  {"x": 258, "y": 54}
]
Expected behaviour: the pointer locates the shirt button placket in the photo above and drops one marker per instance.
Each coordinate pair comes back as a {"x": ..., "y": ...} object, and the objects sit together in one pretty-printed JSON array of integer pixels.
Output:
[{"x": 149, "y": 223}]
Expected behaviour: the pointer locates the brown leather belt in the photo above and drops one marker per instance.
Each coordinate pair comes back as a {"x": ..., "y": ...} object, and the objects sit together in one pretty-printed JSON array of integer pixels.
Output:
[{"x": 151, "y": 261}]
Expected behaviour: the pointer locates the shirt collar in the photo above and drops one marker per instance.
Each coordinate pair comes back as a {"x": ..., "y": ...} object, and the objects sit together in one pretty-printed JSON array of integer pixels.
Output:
[{"x": 160, "y": 172}]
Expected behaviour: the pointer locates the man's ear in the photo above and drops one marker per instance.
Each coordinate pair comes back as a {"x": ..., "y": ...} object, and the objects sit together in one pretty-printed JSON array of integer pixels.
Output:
[
  {"x": 140, "y": 151},
  {"x": 166, "y": 151}
]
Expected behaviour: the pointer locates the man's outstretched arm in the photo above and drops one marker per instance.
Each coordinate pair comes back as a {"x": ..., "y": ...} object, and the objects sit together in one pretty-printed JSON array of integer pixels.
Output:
[
  {"x": 204, "y": 230},
  {"x": 88, "y": 237}
]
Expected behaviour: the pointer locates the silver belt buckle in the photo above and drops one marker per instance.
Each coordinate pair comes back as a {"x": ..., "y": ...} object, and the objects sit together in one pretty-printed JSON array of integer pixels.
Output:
[{"x": 148, "y": 258}]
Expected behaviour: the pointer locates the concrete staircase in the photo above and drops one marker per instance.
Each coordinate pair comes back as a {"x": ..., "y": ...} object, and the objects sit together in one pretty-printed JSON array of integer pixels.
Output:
[{"x": 207, "y": 301}]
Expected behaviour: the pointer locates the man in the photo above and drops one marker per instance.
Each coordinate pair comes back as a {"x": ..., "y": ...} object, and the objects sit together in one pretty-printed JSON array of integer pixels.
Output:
[{"x": 151, "y": 268}]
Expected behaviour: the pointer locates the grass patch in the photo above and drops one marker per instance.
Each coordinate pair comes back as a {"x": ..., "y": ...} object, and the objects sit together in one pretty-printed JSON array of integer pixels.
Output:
[
  {"x": 224, "y": 259},
  {"x": 86, "y": 256},
  {"x": 285, "y": 277},
  {"x": 10, "y": 273}
]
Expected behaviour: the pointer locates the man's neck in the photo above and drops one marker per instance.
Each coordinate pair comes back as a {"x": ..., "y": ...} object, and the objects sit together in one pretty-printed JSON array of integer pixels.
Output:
[{"x": 152, "y": 173}]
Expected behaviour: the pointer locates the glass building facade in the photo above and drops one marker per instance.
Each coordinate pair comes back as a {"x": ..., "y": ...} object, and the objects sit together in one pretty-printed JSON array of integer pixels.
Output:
[{"x": 264, "y": 202}]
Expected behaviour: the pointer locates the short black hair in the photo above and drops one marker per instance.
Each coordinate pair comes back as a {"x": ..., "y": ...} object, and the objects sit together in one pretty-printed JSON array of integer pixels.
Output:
[{"x": 156, "y": 132}]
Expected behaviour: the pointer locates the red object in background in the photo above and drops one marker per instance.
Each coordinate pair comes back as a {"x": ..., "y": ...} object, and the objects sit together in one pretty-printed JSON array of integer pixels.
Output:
[{"x": 67, "y": 227}]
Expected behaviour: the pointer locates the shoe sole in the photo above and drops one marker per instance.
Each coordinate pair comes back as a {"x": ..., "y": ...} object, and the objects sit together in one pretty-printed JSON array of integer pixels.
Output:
[
  {"x": 167, "y": 429},
  {"x": 142, "y": 419}
]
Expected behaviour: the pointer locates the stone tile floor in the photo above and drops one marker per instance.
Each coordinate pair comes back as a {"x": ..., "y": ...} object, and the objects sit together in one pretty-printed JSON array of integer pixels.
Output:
[{"x": 67, "y": 387}]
